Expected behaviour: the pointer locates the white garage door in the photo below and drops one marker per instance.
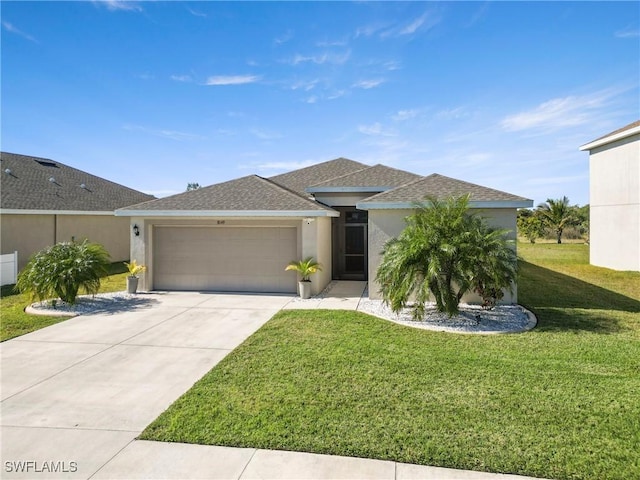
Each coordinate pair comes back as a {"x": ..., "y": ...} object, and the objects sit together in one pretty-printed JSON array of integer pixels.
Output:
[{"x": 226, "y": 259}]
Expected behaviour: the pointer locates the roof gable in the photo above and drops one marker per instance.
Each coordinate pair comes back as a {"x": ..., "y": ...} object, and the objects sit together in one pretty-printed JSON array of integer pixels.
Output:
[
  {"x": 441, "y": 188},
  {"x": 371, "y": 179},
  {"x": 244, "y": 196},
  {"x": 299, "y": 180},
  {"x": 34, "y": 183}
]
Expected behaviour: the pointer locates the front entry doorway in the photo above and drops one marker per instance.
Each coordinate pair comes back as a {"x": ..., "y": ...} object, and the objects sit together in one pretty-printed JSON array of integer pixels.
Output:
[{"x": 350, "y": 244}]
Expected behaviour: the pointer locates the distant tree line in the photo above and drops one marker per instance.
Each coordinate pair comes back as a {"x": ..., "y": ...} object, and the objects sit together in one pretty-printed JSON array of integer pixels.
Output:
[{"x": 553, "y": 219}]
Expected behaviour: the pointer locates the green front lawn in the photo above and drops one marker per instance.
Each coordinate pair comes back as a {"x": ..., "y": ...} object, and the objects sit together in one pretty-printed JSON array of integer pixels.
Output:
[
  {"x": 15, "y": 322},
  {"x": 560, "y": 401}
]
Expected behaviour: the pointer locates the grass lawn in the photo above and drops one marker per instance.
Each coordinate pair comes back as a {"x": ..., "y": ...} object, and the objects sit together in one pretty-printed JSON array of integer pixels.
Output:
[
  {"x": 14, "y": 322},
  {"x": 560, "y": 401}
]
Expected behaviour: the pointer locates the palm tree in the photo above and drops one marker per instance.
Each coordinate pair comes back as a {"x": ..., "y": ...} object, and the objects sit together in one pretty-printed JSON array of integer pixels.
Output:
[
  {"x": 305, "y": 268},
  {"x": 556, "y": 214},
  {"x": 62, "y": 269},
  {"x": 444, "y": 251}
]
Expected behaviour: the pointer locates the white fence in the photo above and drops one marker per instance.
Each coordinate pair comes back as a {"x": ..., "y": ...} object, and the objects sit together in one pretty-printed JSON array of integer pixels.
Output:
[{"x": 9, "y": 268}]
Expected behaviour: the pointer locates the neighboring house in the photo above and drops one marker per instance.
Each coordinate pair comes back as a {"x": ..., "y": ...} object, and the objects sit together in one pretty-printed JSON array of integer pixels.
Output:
[
  {"x": 614, "y": 225},
  {"x": 45, "y": 202},
  {"x": 239, "y": 235}
]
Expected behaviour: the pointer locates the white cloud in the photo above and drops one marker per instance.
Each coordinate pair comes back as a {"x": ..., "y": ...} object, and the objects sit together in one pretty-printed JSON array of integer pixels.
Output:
[
  {"x": 326, "y": 57},
  {"x": 284, "y": 38},
  {"x": 367, "y": 84},
  {"x": 426, "y": 21},
  {"x": 232, "y": 79},
  {"x": 312, "y": 99},
  {"x": 181, "y": 78},
  {"x": 305, "y": 85},
  {"x": 337, "y": 94},
  {"x": 171, "y": 134},
  {"x": 375, "y": 129},
  {"x": 452, "y": 113},
  {"x": 368, "y": 30},
  {"x": 560, "y": 112},
  {"x": 264, "y": 135},
  {"x": 413, "y": 26},
  {"x": 403, "y": 115},
  {"x": 392, "y": 65},
  {"x": 332, "y": 43},
  {"x": 114, "y": 5},
  {"x": 11, "y": 28},
  {"x": 628, "y": 32},
  {"x": 195, "y": 13}
]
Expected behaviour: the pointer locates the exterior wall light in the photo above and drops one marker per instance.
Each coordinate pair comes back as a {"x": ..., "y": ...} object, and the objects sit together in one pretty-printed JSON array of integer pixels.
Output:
[{"x": 136, "y": 230}]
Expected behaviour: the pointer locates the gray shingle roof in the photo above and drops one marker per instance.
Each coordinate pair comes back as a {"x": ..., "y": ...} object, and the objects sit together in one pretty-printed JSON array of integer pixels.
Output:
[
  {"x": 27, "y": 186},
  {"x": 250, "y": 193},
  {"x": 441, "y": 187},
  {"x": 299, "y": 180},
  {"x": 377, "y": 177}
]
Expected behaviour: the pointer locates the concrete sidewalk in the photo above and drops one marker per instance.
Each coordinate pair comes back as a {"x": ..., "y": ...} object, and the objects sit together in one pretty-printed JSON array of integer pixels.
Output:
[
  {"x": 75, "y": 395},
  {"x": 156, "y": 460}
]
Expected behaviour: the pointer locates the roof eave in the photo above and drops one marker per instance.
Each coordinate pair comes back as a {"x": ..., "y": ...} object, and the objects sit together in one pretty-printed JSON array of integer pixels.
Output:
[
  {"x": 34, "y": 211},
  {"x": 610, "y": 139},
  {"x": 227, "y": 213},
  {"x": 525, "y": 203}
]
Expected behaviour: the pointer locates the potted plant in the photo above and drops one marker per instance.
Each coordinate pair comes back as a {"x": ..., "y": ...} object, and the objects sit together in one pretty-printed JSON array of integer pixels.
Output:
[
  {"x": 132, "y": 278},
  {"x": 305, "y": 268}
]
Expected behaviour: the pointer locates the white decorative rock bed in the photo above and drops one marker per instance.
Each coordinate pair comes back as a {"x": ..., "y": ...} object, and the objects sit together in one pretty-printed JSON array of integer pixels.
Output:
[
  {"x": 103, "y": 302},
  {"x": 472, "y": 319}
]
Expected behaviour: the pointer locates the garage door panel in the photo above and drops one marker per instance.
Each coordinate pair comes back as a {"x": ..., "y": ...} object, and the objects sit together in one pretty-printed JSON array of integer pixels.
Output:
[{"x": 224, "y": 258}]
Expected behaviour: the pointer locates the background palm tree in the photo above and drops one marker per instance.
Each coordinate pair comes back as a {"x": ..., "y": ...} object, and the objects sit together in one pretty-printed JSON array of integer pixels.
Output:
[{"x": 557, "y": 215}]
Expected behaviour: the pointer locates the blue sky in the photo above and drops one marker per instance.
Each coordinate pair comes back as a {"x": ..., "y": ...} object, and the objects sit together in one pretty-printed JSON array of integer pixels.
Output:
[{"x": 158, "y": 94}]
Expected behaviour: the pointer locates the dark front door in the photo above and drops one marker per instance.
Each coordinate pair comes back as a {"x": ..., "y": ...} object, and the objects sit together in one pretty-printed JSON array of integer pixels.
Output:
[
  {"x": 355, "y": 250},
  {"x": 350, "y": 245}
]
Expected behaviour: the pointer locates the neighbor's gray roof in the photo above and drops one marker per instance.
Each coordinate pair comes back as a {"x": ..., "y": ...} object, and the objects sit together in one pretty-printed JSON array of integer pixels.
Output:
[
  {"x": 371, "y": 179},
  {"x": 247, "y": 194},
  {"x": 441, "y": 188},
  {"x": 26, "y": 185},
  {"x": 300, "y": 179}
]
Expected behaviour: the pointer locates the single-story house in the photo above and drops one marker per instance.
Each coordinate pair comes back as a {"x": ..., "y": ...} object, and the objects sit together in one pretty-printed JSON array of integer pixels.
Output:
[
  {"x": 45, "y": 202},
  {"x": 239, "y": 235},
  {"x": 614, "y": 190}
]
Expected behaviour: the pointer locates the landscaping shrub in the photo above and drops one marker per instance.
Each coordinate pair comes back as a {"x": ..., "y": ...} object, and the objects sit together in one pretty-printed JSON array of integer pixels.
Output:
[
  {"x": 444, "y": 252},
  {"x": 60, "y": 271}
]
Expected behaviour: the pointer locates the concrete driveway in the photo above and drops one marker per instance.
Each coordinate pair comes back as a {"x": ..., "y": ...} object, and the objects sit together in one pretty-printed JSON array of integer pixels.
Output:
[{"x": 78, "y": 392}]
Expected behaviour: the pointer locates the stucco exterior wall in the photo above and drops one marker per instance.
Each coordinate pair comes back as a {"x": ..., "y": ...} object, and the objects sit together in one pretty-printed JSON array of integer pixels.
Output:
[
  {"x": 314, "y": 239},
  {"x": 26, "y": 234},
  {"x": 387, "y": 224},
  {"x": 31, "y": 233},
  {"x": 615, "y": 205},
  {"x": 110, "y": 231}
]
